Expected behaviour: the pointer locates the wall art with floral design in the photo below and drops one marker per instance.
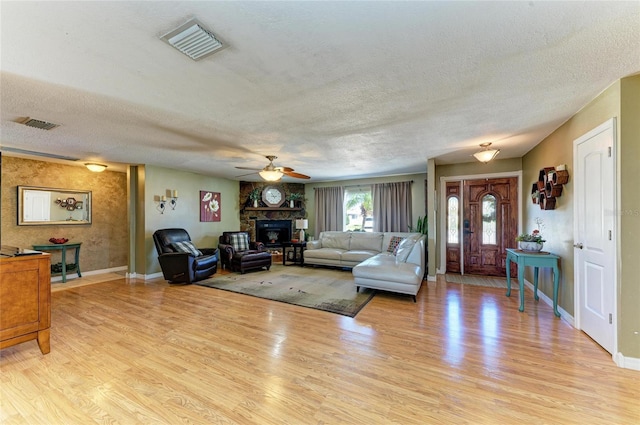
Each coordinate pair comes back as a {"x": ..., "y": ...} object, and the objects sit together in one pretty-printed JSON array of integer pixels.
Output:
[{"x": 210, "y": 206}]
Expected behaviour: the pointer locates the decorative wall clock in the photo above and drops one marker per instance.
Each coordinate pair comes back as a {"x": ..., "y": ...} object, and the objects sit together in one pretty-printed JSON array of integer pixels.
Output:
[{"x": 273, "y": 196}]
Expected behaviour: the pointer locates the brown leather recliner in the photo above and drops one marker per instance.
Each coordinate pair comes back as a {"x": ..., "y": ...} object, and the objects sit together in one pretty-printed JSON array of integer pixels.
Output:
[
  {"x": 180, "y": 261},
  {"x": 238, "y": 253}
]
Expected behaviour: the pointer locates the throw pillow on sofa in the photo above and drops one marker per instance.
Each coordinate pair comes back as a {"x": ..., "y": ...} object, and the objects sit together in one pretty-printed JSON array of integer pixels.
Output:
[
  {"x": 186, "y": 246},
  {"x": 404, "y": 249},
  {"x": 393, "y": 244}
]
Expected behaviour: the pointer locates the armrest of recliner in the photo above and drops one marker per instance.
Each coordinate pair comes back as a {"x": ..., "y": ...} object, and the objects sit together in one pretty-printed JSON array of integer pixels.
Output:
[{"x": 258, "y": 246}]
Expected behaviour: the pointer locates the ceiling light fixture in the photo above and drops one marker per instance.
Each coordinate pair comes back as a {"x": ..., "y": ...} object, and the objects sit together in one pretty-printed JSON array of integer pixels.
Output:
[
  {"x": 193, "y": 40},
  {"x": 271, "y": 175},
  {"x": 486, "y": 154},
  {"x": 96, "y": 168}
]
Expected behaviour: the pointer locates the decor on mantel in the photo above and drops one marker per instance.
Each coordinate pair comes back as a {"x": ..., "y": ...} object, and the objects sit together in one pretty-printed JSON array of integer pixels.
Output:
[
  {"x": 293, "y": 198},
  {"x": 210, "y": 206},
  {"x": 485, "y": 155},
  {"x": 255, "y": 195}
]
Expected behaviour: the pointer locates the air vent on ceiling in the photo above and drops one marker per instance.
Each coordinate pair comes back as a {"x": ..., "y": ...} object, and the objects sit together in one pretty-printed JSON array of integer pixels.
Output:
[
  {"x": 34, "y": 153},
  {"x": 193, "y": 40},
  {"x": 42, "y": 125}
]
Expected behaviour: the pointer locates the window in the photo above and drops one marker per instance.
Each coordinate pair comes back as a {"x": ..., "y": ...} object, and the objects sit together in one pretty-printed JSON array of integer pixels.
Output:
[
  {"x": 489, "y": 223},
  {"x": 358, "y": 207},
  {"x": 453, "y": 220}
]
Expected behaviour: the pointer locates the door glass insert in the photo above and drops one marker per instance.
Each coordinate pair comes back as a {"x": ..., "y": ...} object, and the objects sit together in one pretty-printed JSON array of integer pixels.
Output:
[
  {"x": 453, "y": 223},
  {"x": 489, "y": 223}
]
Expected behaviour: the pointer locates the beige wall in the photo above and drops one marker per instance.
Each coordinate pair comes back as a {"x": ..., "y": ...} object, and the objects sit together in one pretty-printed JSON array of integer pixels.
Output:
[
  {"x": 104, "y": 241},
  {"x": 629, "y": 218},
  {"x": 158, "y": 180},
  {"x": 418, "y": 193}
]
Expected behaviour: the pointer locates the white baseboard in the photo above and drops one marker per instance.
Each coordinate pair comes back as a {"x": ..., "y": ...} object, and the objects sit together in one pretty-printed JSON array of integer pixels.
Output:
[
  {"x": 549, "y": 301},
  {"x": 90, "y": 273},
  {"x": 626, "y": 362},
  {"x": 431, "y": 278}
]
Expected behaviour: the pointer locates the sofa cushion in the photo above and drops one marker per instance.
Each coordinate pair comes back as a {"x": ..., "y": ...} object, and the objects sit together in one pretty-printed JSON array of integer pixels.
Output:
[
  {"x": 404, "y": 249},
  {"x": 338, "y": 240},
  {"x": 324, "y": 254},
  {"x": 382, "y": 267},
  {"x": 366, "y": 241},
  {"x": 393, "y": 244},
  {"x": 357, "y": 255},
  {"x": 186, "y": 246}
]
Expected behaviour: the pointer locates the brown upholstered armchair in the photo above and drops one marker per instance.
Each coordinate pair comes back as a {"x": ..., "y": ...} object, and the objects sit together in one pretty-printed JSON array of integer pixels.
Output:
[
  {"x": 180, "y": 260},
  {"x": 239, "y": 253}
]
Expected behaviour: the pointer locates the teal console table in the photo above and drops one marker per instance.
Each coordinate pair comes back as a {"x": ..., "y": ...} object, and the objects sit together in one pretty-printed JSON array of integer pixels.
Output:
[
  {"x": 63, "y": 247},
  {"x": 535, "y": 260}
]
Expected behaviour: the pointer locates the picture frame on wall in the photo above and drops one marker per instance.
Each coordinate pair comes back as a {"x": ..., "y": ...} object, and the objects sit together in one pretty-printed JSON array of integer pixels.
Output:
[{"x": 210, "y": 206}]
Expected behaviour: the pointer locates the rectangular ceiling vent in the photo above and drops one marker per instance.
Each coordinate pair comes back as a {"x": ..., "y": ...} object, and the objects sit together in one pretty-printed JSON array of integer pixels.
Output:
[
  {"x": 42, "y": 125},
  {"x": 193, "y": 40}
]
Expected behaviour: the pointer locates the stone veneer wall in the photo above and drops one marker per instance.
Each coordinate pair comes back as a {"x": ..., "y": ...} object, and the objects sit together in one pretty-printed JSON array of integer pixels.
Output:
[
  {"x": 105, "y": 242},
  {"x": 248, "y": 218}
]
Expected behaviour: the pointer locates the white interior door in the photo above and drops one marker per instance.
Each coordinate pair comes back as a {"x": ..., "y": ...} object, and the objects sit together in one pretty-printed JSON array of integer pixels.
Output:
[{"x": 594, "y": 260}]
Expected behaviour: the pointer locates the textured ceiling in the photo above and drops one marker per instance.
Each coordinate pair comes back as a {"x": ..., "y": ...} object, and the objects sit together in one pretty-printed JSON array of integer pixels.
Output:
[{"x": 334, "y": 89}]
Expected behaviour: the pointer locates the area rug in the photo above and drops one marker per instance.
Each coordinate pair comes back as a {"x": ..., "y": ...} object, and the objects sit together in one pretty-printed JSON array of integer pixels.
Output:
[
  {"x": 322, "y": 289},
  {"x": 488, "y": 281}
]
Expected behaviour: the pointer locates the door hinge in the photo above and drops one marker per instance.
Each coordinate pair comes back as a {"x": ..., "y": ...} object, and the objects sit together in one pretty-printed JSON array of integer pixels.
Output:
[
  {"x": 609, "y": 150},
  {"x": 610, "y": 318},
  {"x": 609, "y": 234}
]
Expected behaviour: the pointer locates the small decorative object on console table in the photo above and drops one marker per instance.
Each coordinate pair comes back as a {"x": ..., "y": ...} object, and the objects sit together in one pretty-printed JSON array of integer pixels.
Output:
[
  {"x": 301, "y": 225},
  {"x": 532, "y": 242}
]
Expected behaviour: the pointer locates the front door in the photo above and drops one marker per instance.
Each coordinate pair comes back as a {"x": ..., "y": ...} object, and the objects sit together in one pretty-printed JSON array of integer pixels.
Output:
[
  {"x": 594, "y": 233},
  {"x": 490, "y": 224}
]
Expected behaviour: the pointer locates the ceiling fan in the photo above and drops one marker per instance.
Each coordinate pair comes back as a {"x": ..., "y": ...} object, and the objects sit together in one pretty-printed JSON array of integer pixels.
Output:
[{"x": 272, "y": 173}]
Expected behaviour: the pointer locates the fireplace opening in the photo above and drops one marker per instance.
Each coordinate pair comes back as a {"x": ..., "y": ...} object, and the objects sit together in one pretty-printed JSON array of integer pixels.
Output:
[{"x": 273, "y": 232}]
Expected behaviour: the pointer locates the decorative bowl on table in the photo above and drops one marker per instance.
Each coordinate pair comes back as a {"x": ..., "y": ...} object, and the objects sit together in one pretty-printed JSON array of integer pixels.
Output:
[
  {"x": 294, "y": 240},
  {"x": 58, "y": 240}
]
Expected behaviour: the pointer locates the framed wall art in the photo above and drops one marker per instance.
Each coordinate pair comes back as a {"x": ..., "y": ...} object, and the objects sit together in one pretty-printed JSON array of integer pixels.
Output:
[{"x": 210, "y": 206}]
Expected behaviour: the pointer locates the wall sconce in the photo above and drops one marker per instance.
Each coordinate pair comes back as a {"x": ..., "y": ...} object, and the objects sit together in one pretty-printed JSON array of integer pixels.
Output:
[
  {"x": 162, "y": 201},
  {"x": 302, "y": 224},
  {"x": 486, "y": 154}
]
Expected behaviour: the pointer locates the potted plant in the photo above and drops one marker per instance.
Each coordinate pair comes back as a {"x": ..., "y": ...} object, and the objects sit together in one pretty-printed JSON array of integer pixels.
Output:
[
  {"x": 532, "y": 241},
  {"x": 254, "y": 195},
  {"x": 293, "y": 197}
]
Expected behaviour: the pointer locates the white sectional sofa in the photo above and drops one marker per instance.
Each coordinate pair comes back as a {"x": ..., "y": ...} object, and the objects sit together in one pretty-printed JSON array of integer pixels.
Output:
[{"x": 372, "y": 258}]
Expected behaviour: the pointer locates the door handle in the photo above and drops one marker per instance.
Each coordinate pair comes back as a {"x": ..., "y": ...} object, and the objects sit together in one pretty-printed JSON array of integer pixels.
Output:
[
  {"x": 466, "y": 232},
  {"x": 578, "y": 245}
]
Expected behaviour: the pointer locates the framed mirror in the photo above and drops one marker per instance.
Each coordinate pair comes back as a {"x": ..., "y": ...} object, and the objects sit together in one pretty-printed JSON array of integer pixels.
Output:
[{"x": 44, "y": 206}]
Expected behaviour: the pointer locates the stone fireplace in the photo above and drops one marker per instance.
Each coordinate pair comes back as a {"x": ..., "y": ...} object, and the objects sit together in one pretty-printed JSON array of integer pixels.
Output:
[{"x": 273, "y": 232}]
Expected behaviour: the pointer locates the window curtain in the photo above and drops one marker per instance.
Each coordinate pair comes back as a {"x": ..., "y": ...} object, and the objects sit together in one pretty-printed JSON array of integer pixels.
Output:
[
  {"x": 392, "y": 207},
  {"x": 329, "y": 209}
]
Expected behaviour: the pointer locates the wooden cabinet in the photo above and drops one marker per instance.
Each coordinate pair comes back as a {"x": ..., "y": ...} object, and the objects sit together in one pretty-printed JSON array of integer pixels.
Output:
[{"x": 25, "y": 300}]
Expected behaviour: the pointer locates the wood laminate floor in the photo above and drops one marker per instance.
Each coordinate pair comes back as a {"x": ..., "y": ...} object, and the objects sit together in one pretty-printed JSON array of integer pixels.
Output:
[{"x": 132, "y": 352}]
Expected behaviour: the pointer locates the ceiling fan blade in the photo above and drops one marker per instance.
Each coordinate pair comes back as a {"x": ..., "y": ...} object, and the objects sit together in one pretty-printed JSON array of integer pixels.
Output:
[
  {"x": 247, "y": 168},
  {"x": 284, "y": 169},
  {"x": 296, "y": 175},
  {"x": 243, "y": 175}
]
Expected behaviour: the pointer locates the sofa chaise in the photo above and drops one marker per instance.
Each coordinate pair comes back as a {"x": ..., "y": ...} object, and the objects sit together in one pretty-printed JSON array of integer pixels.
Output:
[{"x": 390, "y": 261}]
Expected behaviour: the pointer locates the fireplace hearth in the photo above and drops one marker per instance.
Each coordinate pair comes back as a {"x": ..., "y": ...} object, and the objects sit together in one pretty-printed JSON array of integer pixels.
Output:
[{"x": 273, "y": 232}]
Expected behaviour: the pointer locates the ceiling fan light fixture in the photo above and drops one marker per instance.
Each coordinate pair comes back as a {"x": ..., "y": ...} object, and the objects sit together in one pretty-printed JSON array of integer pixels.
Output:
[
  {"x": 271, "y": 175},
  {"x": 96, "y": 168},
  {"x": 485, "y": 155}
]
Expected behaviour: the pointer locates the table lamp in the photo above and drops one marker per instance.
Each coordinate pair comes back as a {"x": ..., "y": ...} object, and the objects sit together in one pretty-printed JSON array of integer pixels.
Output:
[{"x": 302, "y": 224}]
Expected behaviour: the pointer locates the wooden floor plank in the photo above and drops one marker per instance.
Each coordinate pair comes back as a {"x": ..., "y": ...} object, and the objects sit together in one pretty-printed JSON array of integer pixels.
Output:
[{"x": 126, "y": 351}]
